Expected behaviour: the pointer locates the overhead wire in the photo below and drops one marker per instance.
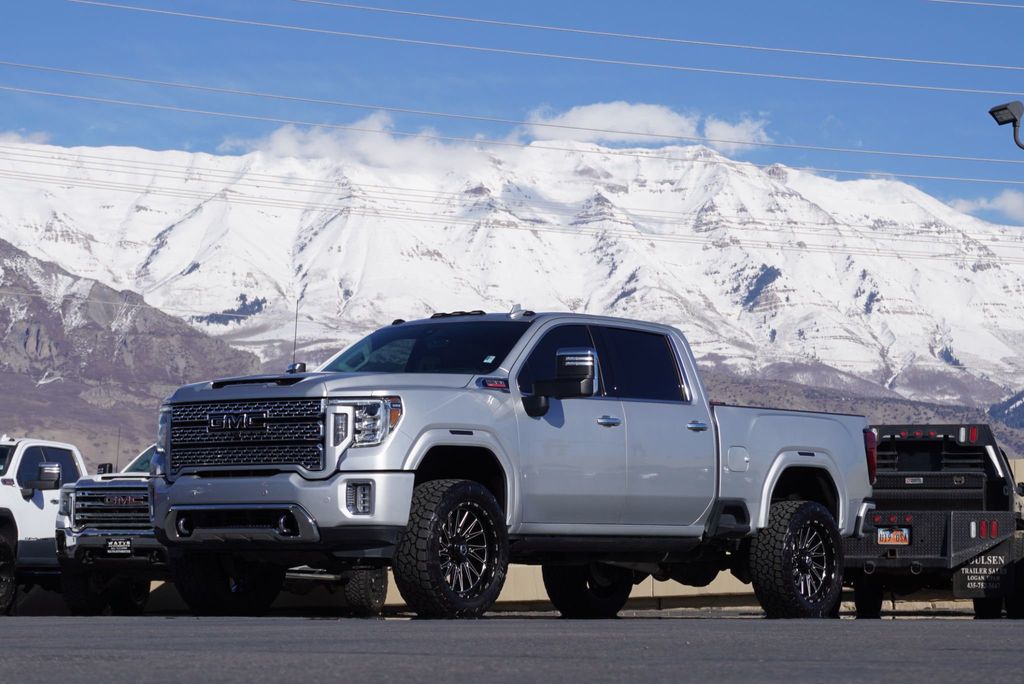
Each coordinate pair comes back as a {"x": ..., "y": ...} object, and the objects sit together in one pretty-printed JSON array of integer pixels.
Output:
[
  {"x": 656, "y": 39},
  {"x": 483, "y": 141},
  {"x": 548, "y": 55},
  {"x": 499, "y": 120}
]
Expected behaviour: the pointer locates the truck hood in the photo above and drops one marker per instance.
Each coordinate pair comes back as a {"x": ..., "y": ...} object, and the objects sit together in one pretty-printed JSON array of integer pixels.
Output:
[
  {"x": 300, "y": 385},
  {"x": 112, "y": 480}
]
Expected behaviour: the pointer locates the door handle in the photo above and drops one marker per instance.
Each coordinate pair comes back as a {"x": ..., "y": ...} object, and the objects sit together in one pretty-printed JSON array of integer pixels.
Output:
[
  {"x": 609, "y": 421},
  {"x": 696, "y": 426}
]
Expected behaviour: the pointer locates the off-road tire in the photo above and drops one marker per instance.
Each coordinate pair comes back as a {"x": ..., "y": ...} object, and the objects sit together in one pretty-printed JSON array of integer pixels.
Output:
[
  {"x": 365, "y": 592},
  {"x": 586, "y": 592},
  {"x": 988, "y": 608},
  {"x": 83, "y": 592},
  {"x": 1015, "y": 598},
  {"x": 868, "y": 596},
  {"x": 420, "y": 554},
  {"x": 8, "y": 576},
  {"x": 129, "y": 597},
  {"x": 775, "y": 565},
  {"x": 215, "y": 585}
]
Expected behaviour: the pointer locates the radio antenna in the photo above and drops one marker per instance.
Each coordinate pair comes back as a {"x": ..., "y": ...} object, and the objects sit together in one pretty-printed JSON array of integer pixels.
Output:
[{"x": 295, "y": 334}]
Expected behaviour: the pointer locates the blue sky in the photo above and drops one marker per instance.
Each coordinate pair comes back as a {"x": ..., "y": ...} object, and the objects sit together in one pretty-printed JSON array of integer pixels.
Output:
[{"x": 62, "y": 34}]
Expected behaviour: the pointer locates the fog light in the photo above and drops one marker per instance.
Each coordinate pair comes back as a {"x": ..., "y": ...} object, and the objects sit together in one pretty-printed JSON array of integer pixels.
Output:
[{"x": 359, "y": 498}]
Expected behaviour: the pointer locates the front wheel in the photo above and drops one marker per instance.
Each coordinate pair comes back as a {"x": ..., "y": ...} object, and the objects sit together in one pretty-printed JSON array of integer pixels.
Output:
[
  {"x": 365, "y": 592},
  {"x": 452, "y": 558},
  {"x": 216, "y": 585},
  {"x": 587, "y": 591},
  {"x": 8, "y": 576},
  {"x": 129, "y": 597},
  {"x": 988, "y": 608},
  {"x": 85, "y": 592},
  {"x": 796, "y": 561}
]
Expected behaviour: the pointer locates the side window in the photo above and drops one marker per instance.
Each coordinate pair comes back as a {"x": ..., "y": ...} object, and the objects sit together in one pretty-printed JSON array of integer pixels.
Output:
[
  {"x": 29, "y": 466},
  {"x": 68, "y": 467},
  {"x": 642, "y": 365},
  {"x": 141, "y": 462},
  {"x": 540, "y": 364}
]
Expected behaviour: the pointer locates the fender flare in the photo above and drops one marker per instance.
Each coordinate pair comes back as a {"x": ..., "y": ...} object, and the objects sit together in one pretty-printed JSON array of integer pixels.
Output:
[
  {"x": 481, "y": 438},
  {"x": 793, "y": 459}
]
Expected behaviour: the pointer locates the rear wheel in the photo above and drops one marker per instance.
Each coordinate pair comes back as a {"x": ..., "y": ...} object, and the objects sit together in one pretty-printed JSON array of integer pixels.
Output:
[
  {"x": 85, "y": 592},
  {"x": 867, "y": 597},
  {"x": 8, "y": 578},
  {"x": 216, "y": 585},
  {"x": 365, "y": 592},
  {"x": 988, "y": 608},
  {"x": 452, "y": 557},
  {"x": 796, "y": 561},
  {"x": 588, "y": 591},
  {"x": 129, "y": 597}
]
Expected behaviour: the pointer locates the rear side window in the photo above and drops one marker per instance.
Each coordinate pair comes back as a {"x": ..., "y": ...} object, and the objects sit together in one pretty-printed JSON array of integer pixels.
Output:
[
  {"x": 640, "y": 365},
  {"x": 540, "y": 364},
  {"x": 68, "y": 467}
]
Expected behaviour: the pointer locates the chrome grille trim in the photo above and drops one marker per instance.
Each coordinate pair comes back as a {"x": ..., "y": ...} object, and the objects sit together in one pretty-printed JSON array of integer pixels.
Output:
[
  {"x": 113, "y": 508},
  {"x": 289, "y": 433}
]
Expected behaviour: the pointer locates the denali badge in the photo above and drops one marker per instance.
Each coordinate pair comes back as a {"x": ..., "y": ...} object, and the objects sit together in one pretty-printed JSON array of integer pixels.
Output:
[{"x": 220, "y": 422}]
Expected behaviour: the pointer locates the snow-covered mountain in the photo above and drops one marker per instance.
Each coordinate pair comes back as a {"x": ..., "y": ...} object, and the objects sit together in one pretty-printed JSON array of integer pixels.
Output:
[{"x": 770, "y": 271}]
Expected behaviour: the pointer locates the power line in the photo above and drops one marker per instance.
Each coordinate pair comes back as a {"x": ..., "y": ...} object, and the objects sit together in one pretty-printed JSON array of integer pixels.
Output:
[
  {"x": 548, "y": 55},
  {"x": 658, "y": 39},
  {"x": 742, "y": 223},
  {"x": 978, "y": 4},
  {"x": 498, "y": 120},
  {"x": 478, "y": 141},
  {"x": 433, "y": 219}
]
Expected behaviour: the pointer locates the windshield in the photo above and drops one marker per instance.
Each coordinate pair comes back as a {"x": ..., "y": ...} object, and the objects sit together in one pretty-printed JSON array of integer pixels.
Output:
[
  {"x": 5, "y": 458},
  {"x": 472, "y": 347},
  {"x": 141, "y": 462}
]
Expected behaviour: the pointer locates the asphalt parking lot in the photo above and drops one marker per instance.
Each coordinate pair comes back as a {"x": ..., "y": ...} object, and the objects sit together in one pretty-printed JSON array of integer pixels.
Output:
[{"x": 542, "y": 648}]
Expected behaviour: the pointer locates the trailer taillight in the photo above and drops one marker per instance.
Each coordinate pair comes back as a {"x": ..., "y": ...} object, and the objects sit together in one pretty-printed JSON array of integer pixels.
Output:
[{"x": 871, "y": 453}]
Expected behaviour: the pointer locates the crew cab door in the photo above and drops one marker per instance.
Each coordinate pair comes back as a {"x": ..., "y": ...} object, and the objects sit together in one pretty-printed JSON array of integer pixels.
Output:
[
  {"x": 670, "y": 441},
  {"x": 573, "y": 459},
  {"x": 36, "y": 516}
]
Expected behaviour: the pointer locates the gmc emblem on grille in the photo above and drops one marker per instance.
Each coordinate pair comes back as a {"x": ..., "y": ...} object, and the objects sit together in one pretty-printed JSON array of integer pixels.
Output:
[
  {"x": 123, "y": 500},
  {"x": 221, "y": 422}
]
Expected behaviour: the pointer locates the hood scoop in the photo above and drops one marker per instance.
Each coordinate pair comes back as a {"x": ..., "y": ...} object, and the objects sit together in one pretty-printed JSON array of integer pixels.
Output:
[{"x": 278, "y": 380}]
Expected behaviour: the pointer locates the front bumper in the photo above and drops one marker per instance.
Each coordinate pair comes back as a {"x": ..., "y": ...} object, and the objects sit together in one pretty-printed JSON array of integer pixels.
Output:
[
  {"x": 88, "y": 547},
  {"x": 282, "y": 512}
]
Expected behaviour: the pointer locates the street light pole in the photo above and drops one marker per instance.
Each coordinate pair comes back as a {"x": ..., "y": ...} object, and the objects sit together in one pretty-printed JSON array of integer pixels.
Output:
[{"x": 1010, "y": 113}]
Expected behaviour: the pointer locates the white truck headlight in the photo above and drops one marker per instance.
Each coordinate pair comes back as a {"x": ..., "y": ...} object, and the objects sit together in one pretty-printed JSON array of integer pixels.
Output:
[
  {"x": 369, "y": 422},
  {"x": 67, "y": 504}
]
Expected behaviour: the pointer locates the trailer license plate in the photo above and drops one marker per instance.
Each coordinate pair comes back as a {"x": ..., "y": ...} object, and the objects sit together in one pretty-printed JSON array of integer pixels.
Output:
[
  {"x": 894, "y": 536},
  {"x": 119, "y": 547}
]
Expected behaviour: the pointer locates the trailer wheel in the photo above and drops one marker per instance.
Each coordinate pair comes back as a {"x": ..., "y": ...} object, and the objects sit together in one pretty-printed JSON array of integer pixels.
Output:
[
  {"x": 587, "y": 591},
  {"x": 452, "y": 557},
  {"x": 1015, "y": 599},
  {"x": 8, "y": 578},
  {"x": 988, "y": 608},
  {"x": 867, "y": 597},
  {"x": 796, "y": 562}
]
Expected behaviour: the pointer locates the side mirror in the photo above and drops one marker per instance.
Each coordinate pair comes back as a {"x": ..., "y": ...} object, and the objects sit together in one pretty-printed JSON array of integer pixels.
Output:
[
  {"x": 47, "y": 477},
  {"x": 296, "y": 368},
  {"x": 104, "y": 468},
  {"x": 1020, "y": 488},
  {"x": 575, "y": 376}
]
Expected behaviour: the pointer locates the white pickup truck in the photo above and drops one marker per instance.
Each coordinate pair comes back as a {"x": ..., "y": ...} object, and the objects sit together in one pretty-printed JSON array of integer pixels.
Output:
[
  {"x": 31, "y": 474},
  {"x": 449, "y": 447}
]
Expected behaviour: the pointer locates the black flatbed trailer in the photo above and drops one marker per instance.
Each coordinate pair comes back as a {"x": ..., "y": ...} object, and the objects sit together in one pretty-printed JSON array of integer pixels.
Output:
[{"x": 948, "y": 516}]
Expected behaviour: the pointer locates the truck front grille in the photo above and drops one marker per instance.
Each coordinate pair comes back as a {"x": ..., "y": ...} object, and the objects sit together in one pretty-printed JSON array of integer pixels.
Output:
[
  {"x": 112, "y": 508},
  {"x": 248, "y": 433}
]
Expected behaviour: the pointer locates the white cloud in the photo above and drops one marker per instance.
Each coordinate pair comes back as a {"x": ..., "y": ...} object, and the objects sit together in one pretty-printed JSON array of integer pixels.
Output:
[
  {"x": 33, "y": 137},
  {"x": 735, "y": 137},
  {"x": 618, "y": 116},
  {"x": 1009, "y": 203}
]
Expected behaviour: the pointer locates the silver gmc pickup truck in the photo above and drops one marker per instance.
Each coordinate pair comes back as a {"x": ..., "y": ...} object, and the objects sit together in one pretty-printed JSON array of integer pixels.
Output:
[{"x": 449, "y": 447}]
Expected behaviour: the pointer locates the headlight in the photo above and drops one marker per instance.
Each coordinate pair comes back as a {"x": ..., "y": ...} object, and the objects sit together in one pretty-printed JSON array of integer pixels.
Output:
[
  {"x": 163, "y": 431},
  {"x": 67, "y": 504},
  {"x": 372, "y": 420},
  {"x": 158, "y": 464}
]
